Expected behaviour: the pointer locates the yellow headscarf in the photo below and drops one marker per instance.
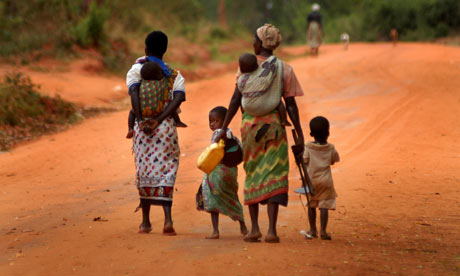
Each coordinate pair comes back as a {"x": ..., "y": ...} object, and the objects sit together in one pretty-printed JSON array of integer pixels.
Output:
[{"x": 270, "y": 36}]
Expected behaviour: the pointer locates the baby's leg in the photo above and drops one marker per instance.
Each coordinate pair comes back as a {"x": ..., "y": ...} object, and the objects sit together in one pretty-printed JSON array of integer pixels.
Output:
[
  {"x": 215, "y": 226},
  {"x": 176, "y": 118},
  {"x": 131, "y": 119},
  {"x": 283, "y": 114},
  {"x": 324, "y": 213}
]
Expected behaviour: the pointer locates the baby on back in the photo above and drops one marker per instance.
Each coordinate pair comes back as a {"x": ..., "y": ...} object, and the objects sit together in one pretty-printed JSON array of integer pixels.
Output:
[
  {"x": 151, "y": 71},
  {"x": 248, "y": 65}
]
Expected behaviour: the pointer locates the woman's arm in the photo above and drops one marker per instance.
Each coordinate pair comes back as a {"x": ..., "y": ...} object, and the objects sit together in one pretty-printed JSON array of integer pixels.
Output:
[
  {"x": 235, "y": 103},
  {"x": 293, "y": 113}
]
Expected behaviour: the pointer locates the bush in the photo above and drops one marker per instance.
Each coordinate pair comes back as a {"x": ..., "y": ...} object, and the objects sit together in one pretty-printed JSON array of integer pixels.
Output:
[
  {"x": 23, "y": 108},
  {"x": 90, "y": 30}
]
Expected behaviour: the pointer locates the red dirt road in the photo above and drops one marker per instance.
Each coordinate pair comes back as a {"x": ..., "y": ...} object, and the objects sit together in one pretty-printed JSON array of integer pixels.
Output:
[{"x": 395, "y": 120}]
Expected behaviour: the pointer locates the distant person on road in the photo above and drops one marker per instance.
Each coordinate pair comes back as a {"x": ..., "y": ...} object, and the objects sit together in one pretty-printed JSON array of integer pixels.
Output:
[
  {"x": 265, "y": 148},
  {"x": 218, "y": 191},
  {"x": 150, "y": 72},
  {"x": 319, "y": 155},
  {"x": 394, "y": 36},
  {"x": 314, "y": 29},
  {"x": 155, "y": 143},
  {"x": 250, "y": 74},
  {"x": 345, "y": 38}
]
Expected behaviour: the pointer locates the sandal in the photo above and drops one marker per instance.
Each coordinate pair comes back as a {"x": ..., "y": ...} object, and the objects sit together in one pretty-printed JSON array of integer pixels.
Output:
[
  {"x": 144, "y": 230},
  {"x": 326, "y": 237}
]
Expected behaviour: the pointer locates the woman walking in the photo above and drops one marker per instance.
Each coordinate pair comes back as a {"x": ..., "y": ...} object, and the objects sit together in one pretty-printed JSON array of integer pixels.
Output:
[
  {"x": 155, "y": 142},
  {"x": 265, "y": 149}
]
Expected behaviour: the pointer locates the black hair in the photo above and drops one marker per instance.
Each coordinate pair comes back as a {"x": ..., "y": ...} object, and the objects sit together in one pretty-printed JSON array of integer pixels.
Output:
[
  {"x": 156, "y": 44},
  {"x": 220, "y": 111},
  {"x": 248, "y": 63},
  {"x": 319, "y": 128},
  {"x": 151, "y": 71}
]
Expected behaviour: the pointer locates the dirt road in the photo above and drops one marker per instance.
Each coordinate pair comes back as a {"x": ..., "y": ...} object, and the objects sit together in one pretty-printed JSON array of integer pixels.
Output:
[{"x": 395, "y": 120}]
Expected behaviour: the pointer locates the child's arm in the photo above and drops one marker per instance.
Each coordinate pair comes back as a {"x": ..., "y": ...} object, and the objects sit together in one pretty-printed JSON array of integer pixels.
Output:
[
  {"x": 335, "y": 157},
  {"x": 306, "y": 156}
]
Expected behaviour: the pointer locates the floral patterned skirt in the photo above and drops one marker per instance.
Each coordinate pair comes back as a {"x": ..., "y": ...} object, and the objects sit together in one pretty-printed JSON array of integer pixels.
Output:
[{"x": 157, "y": 161}]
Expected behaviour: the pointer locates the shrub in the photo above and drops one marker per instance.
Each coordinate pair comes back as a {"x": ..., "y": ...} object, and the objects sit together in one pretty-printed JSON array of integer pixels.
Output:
[{"x": 23, "y": 108}]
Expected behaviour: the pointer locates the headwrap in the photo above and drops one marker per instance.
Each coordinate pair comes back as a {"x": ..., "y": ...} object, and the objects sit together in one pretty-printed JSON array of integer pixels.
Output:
[
  {"x": 315, "y": 7},
  {"x": 270, "y": 36}
]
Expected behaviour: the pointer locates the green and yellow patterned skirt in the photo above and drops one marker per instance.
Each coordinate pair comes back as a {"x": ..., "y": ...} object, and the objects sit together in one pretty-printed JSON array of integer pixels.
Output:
[
  {"x": 220, "y": 192},
  {"x": 265, "y": 157}
]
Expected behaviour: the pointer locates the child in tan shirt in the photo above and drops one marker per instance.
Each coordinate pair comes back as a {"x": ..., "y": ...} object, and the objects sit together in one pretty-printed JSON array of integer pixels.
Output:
[{"x": 319, "y": 156}]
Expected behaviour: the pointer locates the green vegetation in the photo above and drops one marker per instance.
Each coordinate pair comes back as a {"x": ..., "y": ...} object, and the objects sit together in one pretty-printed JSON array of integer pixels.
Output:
[
  {"x": 31, "y": 29},
  {"x": 24, "y": 112}
]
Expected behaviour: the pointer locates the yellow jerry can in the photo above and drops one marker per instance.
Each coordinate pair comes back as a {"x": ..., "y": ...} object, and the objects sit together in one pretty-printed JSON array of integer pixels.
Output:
[{"x": 211, "y": 157}]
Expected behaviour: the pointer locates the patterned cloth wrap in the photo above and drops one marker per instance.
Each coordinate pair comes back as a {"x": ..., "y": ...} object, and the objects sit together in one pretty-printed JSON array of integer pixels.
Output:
[
  {"x": 157, "y": 161},
  {"x": 155, "y": 95},
  {"x": 265, "y": 157},
  {"x": 261, "y": 90},
  {"x": 218, "y": 191},
  {"x": 314, "y": 34}
]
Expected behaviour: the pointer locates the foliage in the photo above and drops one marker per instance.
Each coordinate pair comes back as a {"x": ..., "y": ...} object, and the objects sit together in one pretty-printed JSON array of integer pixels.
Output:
[{"x": 22, "y": 107}]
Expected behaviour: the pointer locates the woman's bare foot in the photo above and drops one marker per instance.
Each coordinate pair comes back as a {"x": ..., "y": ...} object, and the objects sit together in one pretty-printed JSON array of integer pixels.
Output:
[
  {"x": 168, "y": 230},
  {"x": 254, "y": 236},
  {"x": 270, "y": 238},
  {"x": 144, "y": 229},
  {"x": 213, "y": 236}
]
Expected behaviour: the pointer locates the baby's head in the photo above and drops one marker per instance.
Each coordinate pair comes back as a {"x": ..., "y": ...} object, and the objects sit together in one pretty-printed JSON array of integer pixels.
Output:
[
  {"x": 319, "y": 129},
  {"x": 151, "y": 71},
  {"x": 248, "y": 63},
  {"x": 216, "y": 117}
]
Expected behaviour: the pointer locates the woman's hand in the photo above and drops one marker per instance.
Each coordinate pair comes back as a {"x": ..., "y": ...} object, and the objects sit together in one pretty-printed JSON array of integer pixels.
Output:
[{"x": 220, "y": 135}]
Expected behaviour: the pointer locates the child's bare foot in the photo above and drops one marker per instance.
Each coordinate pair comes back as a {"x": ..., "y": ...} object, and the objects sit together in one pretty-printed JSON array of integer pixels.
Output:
[
  {"x": 180, "y": 124},
  {"x": 130, "y": 134},
  {"x": 326, "y": 236},
  {"x": 243, "y": 228},
  {"x": 311, "y": 234},
  {"x": 213, "y": 236},
  {"x": 286, "y": 123}
]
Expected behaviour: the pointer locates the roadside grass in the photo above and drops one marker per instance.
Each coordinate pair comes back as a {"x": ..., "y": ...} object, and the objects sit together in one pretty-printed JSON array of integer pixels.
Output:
[{"x": 25, "y": 114}]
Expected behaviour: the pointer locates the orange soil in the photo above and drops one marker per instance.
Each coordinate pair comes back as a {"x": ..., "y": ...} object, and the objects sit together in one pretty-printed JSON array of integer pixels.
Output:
[{"x": 394, "y": 114}]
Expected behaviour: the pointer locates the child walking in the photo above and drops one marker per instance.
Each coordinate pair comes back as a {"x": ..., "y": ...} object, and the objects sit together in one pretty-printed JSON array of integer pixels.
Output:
[
  {"x": 319, "y": 156},
  {"x": 218, "y": 192}
]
